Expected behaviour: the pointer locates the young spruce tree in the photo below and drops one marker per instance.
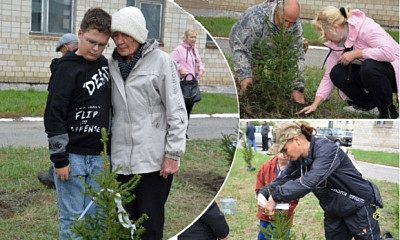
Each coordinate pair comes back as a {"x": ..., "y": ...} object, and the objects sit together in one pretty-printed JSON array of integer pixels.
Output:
[
  {"x": 274, "y": 61},
  {"x": 108, "y": 221},
  {"x": 280, "y": 226},
  {"x": 248, "y": 154}
]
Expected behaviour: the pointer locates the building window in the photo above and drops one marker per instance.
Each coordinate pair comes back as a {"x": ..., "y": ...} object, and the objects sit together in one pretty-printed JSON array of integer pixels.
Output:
[
  {"x": 52, "y": 16},
  {"x": 153, "y": 13},
  {"x": 210, "y": 43}
]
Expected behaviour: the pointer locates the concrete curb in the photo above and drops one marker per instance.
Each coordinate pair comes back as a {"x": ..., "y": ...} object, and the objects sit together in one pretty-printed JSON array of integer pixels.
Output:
[{"x": 40, "y": 119}]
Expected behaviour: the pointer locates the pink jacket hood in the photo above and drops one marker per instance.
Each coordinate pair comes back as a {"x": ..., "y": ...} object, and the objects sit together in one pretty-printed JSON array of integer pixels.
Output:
[
  {"x": 364, "y": 33},
  {"x": 184, "y": 55}
]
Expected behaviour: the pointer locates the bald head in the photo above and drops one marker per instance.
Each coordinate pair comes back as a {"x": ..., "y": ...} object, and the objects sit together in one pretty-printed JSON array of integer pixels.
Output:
[{"x": 291, "y": 12}]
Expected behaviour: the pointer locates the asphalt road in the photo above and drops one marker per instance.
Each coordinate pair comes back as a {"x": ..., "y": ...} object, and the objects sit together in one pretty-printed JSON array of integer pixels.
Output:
[{"x": 31, "y": 133}]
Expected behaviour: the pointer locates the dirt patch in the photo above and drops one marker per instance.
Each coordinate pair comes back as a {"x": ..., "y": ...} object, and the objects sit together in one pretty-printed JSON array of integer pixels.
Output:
[
  {"x": 208, "y": 182},
  {"x": 11, "y": 202}
]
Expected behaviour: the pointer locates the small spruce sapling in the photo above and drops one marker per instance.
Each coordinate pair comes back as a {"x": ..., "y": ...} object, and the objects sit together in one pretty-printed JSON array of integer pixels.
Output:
[
  {"x": 280, "y": 226},
  {"x": 275, "y": 67},
  {"x": 228, "y": 144},
  {"x": 248, "y": 155},
  {"x": 106, "y": 224}
]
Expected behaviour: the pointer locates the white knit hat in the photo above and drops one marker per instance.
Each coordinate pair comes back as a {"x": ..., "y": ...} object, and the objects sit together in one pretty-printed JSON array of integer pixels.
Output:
[{"x": 130, "y": 20}]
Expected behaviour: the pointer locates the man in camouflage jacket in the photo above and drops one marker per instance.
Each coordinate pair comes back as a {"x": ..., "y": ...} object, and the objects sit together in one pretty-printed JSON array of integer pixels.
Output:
[{"x": 252, "y": 25}]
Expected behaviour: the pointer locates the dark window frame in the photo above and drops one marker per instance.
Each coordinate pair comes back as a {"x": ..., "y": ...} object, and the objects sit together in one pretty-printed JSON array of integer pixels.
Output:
[
  {"x": 162, "y": 4},
  {"x": 42, "y": 25}
]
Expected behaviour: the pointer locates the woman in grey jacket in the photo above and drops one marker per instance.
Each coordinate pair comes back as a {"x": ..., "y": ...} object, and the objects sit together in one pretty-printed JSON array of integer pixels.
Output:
[{"x": 150, "y": 119}]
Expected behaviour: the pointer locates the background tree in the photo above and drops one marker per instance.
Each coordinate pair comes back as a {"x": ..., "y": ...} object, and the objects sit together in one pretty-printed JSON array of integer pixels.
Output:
[{"x": 228, "y": 144}]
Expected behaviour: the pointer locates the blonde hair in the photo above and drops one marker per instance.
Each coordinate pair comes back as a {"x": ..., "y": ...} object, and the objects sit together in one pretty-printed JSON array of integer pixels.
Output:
[
  {"x": 329, "y": 16},
  {"x": 188, "y": 33}
]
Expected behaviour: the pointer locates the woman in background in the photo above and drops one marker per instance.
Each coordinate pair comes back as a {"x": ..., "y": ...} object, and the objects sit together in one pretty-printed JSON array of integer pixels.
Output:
[{"x": 187, "y": 56}]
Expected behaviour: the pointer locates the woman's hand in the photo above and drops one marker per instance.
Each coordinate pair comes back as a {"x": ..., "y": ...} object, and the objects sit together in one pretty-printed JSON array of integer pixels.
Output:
[
  {"x": 271, "y": 206},
  {"x": 350, "y": 56},
  {"x": 200, "y": 74},
  {"x": 308, "y": 109},
  {"x": 311, "y": 108},
  {"x": 169, "y": 166},
  {"x": 182, "y": 72},
  {"x": 264, "y": 205}
]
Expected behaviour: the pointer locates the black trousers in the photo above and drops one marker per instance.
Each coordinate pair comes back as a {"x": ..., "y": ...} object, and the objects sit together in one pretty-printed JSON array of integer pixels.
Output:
[
  {"x": 360, "y": 225},
  {"x": 151, "y": 194},
  {"x": 264, "y": 140},
  {"x": 376, "y": 77}
]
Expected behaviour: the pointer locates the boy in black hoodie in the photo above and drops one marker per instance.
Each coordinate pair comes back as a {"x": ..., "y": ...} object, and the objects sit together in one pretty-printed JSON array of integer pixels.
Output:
[
  {"x": 68, "y": 42},
  {"x": 78, "y": 106}
]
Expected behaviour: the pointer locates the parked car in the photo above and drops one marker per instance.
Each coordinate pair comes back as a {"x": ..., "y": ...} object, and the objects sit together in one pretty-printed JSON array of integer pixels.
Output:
[{"x": 336, "y": 135}]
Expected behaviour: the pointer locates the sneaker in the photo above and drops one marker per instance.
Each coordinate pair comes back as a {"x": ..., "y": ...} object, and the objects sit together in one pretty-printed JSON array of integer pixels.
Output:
[
  {"x": 45, "y": 179},
  {"x": 359, "y": 110},
  {"x": 251, "y": 168}
]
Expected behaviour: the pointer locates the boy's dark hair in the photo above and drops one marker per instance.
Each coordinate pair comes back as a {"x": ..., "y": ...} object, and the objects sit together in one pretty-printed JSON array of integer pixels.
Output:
[{"x": 96, "y": 18}]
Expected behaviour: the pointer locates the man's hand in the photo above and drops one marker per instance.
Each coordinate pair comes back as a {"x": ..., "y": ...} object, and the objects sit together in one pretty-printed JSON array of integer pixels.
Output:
[
  {"x": 63, "y": 173},
  {"x": 298, "y": 97},
  {"x": 169, "y": 166},
  {"x": 244, "y": 83}
]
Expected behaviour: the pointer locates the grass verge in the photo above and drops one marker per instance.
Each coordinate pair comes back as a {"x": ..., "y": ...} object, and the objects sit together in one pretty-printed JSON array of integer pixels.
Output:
[
  {"x": 28, "y": 209},
  {"x": 308, "y": 217},
  {"x": 16, "y": 103},
  {"x": 221, "y": 27},
  {"x": 217, "y": 26},
  {"x": 22, "y": 103},
  {"x": 216, "y": 103}
]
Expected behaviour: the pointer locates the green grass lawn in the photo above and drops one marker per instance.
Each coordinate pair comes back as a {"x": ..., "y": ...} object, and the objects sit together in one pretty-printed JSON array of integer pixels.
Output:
[
  {"x": 308, "y": 217},
  {"x": 22, "y": 103},
  {"x": 28, "y": 209},
  {"x": 383, "y": 158},
  {"x": 221, "y": 26},
  {"x": 15, "y": 103},
  {"x": 217, "y": 26},
  {"x": 216, "y": 103}
]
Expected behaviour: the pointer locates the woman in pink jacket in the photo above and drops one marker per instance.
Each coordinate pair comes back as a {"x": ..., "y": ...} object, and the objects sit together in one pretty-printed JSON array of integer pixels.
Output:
[
  {"x": 363, "y": 62},
  {"x": 188, "y": 59}
]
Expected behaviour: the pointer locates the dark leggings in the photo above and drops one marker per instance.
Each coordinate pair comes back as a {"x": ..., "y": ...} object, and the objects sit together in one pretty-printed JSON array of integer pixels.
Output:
[
  {"x": 378, "y": 78},
  {"x": 151, "y": 195}
]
